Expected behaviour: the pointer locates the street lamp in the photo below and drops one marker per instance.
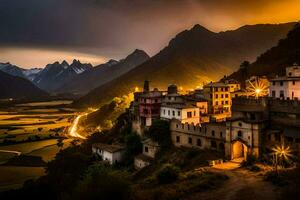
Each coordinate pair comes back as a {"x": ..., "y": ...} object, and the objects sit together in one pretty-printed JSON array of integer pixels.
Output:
[{"x": 281, "y": 152}]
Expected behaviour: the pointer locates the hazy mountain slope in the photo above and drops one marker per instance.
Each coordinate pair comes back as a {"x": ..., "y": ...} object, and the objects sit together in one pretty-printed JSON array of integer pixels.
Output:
[
  {"x": 193, "y": 57},
  {"x": 53, "y": 76},
  {"x": 274, "y": 61},
  {"x": 18, "y": 88},
  {"x": 12, "y": 70},
  {"x": 104, "y": 73}
]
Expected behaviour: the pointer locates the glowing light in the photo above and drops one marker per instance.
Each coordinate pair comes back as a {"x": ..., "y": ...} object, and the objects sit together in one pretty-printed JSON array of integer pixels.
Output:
[
  {"x": 73, "y": 131},
  {"x": 282, "y": 152},
  {"x": 180, "y": 88},
  {"x": 257, "y": 88},
  {"x": 136, "y": 89}
]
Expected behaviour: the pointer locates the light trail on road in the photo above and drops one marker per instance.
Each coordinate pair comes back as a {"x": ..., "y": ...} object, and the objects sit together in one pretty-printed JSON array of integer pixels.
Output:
[
  {"x": 73, "y": 131},
  {"x": 7, "y": 151}
]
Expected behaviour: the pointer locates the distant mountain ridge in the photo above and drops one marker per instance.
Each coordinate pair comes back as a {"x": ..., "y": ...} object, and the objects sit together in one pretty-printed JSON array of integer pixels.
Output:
[
  {"x": 18, "y": 88},
  {"x": 20, "y": 72},
  {"x": 53, "y": 76},
  {"x": 194, "y": 56},
  {"x": 103, "y": 73},
  {"x": 274, "y": 61}
]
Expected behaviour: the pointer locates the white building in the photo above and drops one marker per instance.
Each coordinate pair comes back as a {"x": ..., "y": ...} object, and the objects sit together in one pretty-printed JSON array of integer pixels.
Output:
[
  {"x": 181, "y": 112},
  {"x": 111, "y": 153},
  {"x": 288, "y": 86}
]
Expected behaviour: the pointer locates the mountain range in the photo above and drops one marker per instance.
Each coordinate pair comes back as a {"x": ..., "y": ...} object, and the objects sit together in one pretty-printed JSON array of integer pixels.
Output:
[
  {"x": 55, "y": 75},
  {"x": 193, "y": 57},
  {"x": 15, "y": 87},
  {"x": 14, "y": 70},
  {"x": 274, "y": 61},
  {"x": 103, "y": 73}
]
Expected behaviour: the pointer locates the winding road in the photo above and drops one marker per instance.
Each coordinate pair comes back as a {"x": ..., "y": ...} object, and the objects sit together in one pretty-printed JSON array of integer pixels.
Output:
[{"x": 73, "y": 131}]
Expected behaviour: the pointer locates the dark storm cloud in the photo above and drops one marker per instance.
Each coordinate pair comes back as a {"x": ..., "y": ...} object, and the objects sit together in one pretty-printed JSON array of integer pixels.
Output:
[{"x": 112, "y": 28}]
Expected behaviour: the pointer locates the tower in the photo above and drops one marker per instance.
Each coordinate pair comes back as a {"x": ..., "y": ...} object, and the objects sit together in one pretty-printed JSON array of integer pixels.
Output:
[{"x": 146, "y": 86}]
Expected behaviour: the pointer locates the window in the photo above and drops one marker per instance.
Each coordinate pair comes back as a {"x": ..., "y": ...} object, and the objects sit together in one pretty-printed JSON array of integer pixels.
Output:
[
  {"x": 199, "y": 142},
  {"x": 281, "y": 83},
  {"x": 155, "y": 100},
  {"x": 190, "y": 140},
  {"x": 226, "y": 102},
  {"x": 281, "y": 94},
  {"x": 274, "y": 83},
  {"x": 213, "y": 144},
  {"x": 216, "y": 96},
  {"x": 216, "y": 89},
  {"x": 176, "y": 125},
  {"x": 273, "y": 93},
  {"x": 222, "y": 89},
  {"x": 293, "y": 82},
  {"x": 177, "y": 139},
  {"x": 213, "y": 133},
  {"x": 189, "y": 114},
  {"x": 240, "y": 134},
  {"x": 146, "y": 149},
  {"x": 221, "y": 134},
  {"x": 226, "y": 89},
  {"x": 194, "y": 113},
  {"x": 217, "y": 103},
  {"x": 164, "y": 111},
  {"x": 222, "y": 96},
  {"x": 169, "y": 112},
  {"x": 178, "y": 113},
  {"x": 226, "y": 95},
  {"x": 173, "y": 112}
]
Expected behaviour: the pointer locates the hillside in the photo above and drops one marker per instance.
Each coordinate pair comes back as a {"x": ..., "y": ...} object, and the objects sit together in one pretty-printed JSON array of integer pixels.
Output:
[
  {"x": 274, "y": 61},
  {"x": 99, "y": 75},
  {"x": 18, "y": 88},
  {"x": 193, "y": 57}
]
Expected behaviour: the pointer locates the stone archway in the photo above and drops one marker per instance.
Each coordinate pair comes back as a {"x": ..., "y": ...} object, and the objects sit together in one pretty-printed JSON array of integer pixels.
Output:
[{"x": 239, "y": 150}]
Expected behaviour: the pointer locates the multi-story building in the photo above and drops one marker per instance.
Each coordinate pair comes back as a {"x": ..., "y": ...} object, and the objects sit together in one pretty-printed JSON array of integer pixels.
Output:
[
  {"x": 202, "y": 136},
  {"x": 218, "y": 96},
  {"x": 182, "y": 112},
  {"x": 146, "y": 108},
  {"x": 233, "y": 85},
  {"x": 287, "y": 87}
]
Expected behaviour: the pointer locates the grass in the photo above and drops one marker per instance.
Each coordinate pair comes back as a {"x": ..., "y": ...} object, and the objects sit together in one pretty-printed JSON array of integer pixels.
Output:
[{"x": 13, "y": 177}]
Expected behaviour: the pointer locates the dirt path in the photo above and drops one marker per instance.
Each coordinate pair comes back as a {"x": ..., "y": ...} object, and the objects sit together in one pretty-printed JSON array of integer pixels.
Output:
[{"x": 242, "y": 185}]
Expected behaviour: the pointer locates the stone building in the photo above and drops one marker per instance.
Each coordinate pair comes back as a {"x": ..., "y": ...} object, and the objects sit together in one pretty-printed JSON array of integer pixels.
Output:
[
  {"x": 146, "y": 108},
  {"x": 150, "y": 149},
  {"x": 204, "y": 136},
  {"x": 182, "y": 112},
  {"x": 111, "y": 153},
  {"x": 287, "y": 87},
  {"x": 218, "y": 96}
]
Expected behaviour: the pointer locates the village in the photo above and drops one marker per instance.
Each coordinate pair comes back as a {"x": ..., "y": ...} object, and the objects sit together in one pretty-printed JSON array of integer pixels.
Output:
[{"x": 251, "y": 123}]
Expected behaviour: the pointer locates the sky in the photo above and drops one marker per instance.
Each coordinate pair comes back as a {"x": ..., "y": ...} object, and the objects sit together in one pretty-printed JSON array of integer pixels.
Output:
[{"x": 34, "y": 33}]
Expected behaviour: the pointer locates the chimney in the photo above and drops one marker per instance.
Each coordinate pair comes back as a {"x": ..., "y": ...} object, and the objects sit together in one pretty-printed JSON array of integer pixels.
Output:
[{"x": 146, "y": 86}]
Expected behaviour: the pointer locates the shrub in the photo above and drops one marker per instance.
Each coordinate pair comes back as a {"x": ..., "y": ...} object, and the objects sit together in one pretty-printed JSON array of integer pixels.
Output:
[
  {"x": 159, "y": 131},
  {"x": 168, "y": 174}
]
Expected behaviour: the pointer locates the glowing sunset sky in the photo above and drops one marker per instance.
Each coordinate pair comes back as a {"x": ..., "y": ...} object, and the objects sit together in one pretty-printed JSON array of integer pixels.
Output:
[{"x": 34, "y": 32}]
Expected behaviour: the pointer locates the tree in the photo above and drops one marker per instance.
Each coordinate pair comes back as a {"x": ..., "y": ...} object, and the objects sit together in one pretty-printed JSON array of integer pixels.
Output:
[
  {"x": 102, "y": 182},
  {"x": 168, "y": 174},
  {"x": 133, "y": 147},
  {"x": 159, "y": 131}
]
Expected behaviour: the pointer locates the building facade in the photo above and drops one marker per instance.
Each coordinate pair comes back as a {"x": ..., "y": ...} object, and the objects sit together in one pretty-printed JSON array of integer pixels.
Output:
[
  {"x": 218, "y": 96},
  {"x": 287, "y": 87}
]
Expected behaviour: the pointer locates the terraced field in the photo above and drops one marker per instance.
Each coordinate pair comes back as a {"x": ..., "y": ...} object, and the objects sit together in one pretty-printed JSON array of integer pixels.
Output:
[{"x": 32, "y": 129}]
